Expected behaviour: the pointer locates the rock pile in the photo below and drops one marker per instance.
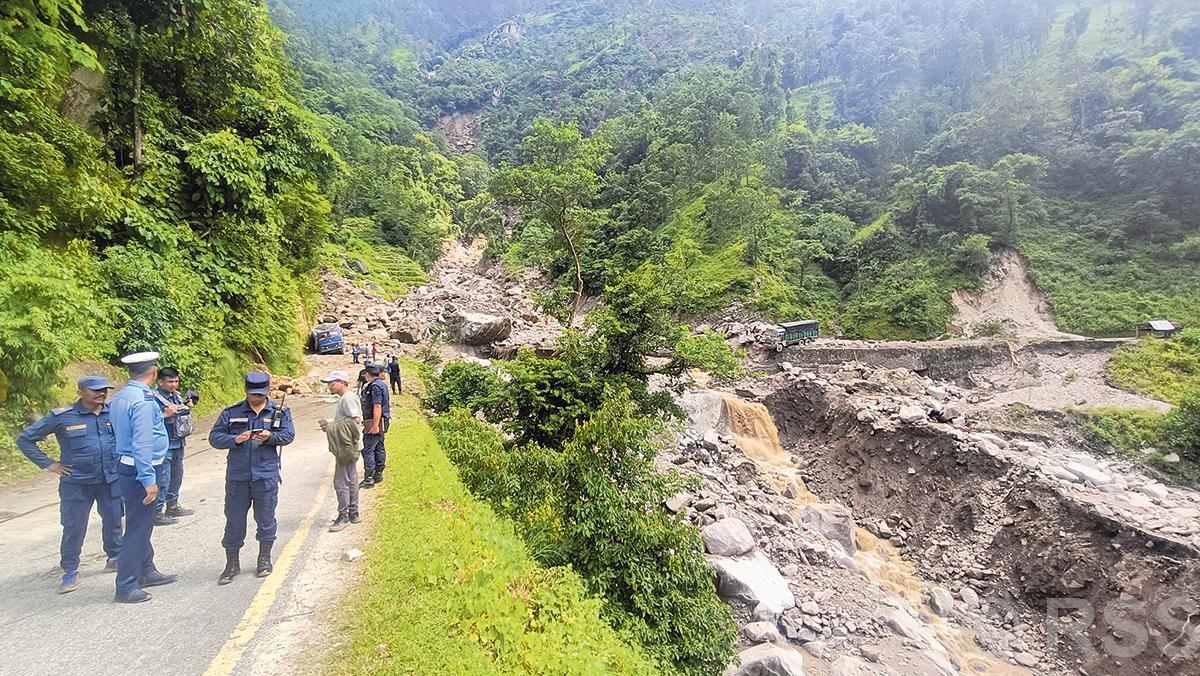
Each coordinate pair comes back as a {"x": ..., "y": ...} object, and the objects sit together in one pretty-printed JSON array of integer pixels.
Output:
[
  {"x": 789, "y": 570},
  {"x": 466, "y": 302}
]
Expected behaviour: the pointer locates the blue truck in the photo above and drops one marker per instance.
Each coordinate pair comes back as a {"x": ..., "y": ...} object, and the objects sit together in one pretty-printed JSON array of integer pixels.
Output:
[{"x": 327, "y": 339}]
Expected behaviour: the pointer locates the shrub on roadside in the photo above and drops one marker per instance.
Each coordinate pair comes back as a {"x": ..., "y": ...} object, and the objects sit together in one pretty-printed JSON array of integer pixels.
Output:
[
  {"x": 1181, "y": 429},
  {"x": 464, "y": 385}
]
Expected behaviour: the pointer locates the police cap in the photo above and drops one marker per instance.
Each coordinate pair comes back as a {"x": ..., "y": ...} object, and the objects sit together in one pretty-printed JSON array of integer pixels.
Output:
[
  {"x": 94, "y": 383},
  {"x": 258, "y": 382}
]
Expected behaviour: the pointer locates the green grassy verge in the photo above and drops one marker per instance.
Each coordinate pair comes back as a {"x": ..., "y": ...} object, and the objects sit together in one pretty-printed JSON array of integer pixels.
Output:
[
  {"x": 1164, "y": 369},
  {"x": 1130, "y": 431},
  {"x": 450, "y": 588}
]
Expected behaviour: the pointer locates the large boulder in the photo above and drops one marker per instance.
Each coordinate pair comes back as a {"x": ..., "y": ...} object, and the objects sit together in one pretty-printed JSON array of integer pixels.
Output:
[
  {"x": 727, "y": 537},
  {"x": 410, "y": 334},
  {"x": 832, "y": 520},
  {"x": 754, "y": 580},
  {"x": 768, "y": 659},
  {"x": 476, "y": 328},
  {"x": 848, "y": 665}
]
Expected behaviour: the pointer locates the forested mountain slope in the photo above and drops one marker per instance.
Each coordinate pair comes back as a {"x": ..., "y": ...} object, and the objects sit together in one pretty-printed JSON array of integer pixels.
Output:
[
  {"x": 169, "y": 181},
  {"x": 850, "y": 161}
]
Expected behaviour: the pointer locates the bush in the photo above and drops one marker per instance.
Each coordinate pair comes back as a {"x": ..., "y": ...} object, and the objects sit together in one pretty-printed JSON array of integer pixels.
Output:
[
  {"x": 907, "y": 302},
  {"x": 52, "y": 312},
  {"x": 595, "y": 505},
  {"x": 645, "y": 561},
  {"x": 466, "y": 386},
  {"x": 1181, "y": 429},
  {"x": 1126, "y": 429}
]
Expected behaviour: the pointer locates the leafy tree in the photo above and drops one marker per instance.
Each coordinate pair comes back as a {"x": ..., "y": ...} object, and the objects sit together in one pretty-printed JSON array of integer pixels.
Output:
[{"x": 556, "y": 185}]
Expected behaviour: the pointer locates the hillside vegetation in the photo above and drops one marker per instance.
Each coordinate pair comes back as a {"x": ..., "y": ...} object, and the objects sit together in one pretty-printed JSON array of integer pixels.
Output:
[
  {"x": 849, "y": 162},
  {"x": 451, "y": 589},
  {"x": 172, "y": 177}
]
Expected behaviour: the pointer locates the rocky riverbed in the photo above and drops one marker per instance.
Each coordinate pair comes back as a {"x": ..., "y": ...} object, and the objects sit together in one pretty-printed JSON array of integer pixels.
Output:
[{"x": 883, "y": 528}]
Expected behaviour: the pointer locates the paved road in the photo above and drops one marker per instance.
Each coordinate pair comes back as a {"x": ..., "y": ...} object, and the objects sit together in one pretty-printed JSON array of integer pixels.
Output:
[{"x": 193, "y": 626}]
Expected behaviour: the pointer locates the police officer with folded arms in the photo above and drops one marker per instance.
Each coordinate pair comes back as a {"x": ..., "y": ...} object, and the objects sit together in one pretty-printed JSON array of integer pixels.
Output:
[
  {"x": 141, "y": 436},
  {"x": 253, "y": 430},
  {"x": 87, "y": 471}
]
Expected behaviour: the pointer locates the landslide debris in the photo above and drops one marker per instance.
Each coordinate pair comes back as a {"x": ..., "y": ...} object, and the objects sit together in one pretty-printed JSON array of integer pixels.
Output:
[
  {"x": 883, "y": 536},
  {"x": 467, "y": 302}
]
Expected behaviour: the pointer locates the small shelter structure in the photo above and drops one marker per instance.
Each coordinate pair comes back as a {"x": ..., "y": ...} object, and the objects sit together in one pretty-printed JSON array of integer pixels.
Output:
[{"x": 1159, "y": 328}]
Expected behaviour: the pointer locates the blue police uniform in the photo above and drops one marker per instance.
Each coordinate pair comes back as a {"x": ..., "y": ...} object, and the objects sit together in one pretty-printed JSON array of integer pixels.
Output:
[
  {"x": 172, "y": 468},
  {"x": 374, "y": 453},
  {"x": 142, "y": 443},
  {"x": 87, "y": 446},
  {"x": 252, "y": 469}
]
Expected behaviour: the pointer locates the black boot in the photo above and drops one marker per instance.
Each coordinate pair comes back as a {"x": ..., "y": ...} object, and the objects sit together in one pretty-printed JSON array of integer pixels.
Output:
[
  {"x": 232, "y": 566},
  {"x": 368, "y": 481},
  {"x": 378, "y": 475},
  {"x": 176, "y": 510},
  {"x": 264, "y": 559}
]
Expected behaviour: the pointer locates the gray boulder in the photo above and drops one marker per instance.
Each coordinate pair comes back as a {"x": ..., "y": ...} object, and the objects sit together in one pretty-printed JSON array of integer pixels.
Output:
[
  {"x": 761, "y": 632},
  {"x": 768, "y": 659},
  {"x": 853, "y": 666},
  {"x": 832, "y": 520},
  {"x": 476, "y": 328},
  {"x": 410, "y": 335},
  {"x": 941, "y": 601},
  {"x": 753, "y": 579},
  {"x": 727, "y": 537}
]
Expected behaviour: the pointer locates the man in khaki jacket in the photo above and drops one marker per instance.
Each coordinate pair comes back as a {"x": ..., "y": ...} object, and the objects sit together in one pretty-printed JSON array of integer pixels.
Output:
[{"x": 344, "y": 434}]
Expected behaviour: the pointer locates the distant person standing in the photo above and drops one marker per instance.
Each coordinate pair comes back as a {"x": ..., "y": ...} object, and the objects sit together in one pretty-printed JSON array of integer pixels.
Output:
[
  {"x": 345, "y": 437},
  {"x": 177, "y": 412},
  {"x": 141, "y": 436},
  {"x": 374, "y": 353},
  {"x": 253, "y": 430},
  {"x": 377, "y": 414},
  {"x": 354, "y": 352},
  {"x": 86, "y": 470},
  {"x": 394, "y": 374}
]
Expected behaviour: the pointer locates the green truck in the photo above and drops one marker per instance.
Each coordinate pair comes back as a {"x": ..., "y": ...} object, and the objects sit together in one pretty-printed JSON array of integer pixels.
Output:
[{"x": 793, "y": 333}]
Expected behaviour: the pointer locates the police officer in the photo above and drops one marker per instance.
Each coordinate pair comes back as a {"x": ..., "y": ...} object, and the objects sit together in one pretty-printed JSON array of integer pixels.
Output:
[
  {"x": 394, "y": 374},
  {"x": 141, "y": 436},
  {"x": 377, "y": 415},
  {"x": 253, "y": 430},
  {"x": 87, "y": 471},
  {"x": 175, "y": 410}
]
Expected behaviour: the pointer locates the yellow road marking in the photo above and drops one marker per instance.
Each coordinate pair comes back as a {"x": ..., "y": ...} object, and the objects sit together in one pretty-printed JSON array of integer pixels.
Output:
[{"x": 231, "y": 653}]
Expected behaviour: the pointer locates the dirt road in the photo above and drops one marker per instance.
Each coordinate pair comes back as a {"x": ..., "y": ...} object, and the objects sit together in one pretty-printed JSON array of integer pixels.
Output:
[{"x": 275, "y": 625}]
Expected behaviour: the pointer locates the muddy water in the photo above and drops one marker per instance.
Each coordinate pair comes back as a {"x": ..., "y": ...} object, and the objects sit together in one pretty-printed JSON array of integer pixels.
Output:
[{"x": 757, "y": 437}]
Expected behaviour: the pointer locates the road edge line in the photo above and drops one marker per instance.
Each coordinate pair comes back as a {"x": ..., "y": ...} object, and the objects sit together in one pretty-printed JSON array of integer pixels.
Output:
[{"x": 256, "y": 613}]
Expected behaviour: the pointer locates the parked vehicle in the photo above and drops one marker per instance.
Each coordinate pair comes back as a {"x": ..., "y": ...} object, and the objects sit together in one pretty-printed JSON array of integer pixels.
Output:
[
  {"x": 327, "y": 339},
  {"x": 793, "y": 333}
]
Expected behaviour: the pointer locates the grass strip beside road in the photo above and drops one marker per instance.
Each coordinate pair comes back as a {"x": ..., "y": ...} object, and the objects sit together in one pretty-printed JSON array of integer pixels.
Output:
[{"x": 450, "y": 589}]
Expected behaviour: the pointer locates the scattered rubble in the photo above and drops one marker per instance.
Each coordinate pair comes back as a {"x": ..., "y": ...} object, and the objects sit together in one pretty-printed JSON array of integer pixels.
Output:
[
  {"x": 467, "y": 301},
  {"x": 928, "y": 528}
]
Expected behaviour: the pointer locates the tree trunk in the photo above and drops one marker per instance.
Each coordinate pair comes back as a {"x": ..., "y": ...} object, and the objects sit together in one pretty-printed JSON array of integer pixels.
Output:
[
  {"x": 137, "y": 99},
  {"x": 578, "y": 273}
]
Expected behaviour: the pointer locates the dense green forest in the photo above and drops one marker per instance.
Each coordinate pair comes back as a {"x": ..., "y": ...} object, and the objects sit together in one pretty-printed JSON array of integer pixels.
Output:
[
  {"x": 852, "y": 162},
  {"x": 171, "y": 178}
]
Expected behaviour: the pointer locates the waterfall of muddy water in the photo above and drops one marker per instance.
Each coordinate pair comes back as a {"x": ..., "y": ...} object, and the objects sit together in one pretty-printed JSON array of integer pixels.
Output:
[
  {"x": 754, "y": 430},
  {"x": 757, "y": 437}
]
